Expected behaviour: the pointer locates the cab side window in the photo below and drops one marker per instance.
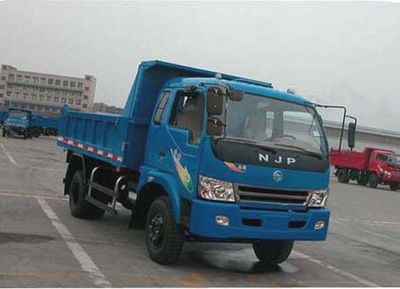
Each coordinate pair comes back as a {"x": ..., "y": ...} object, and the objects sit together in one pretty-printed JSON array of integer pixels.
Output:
[
  {"x": 187, "y": 113},
  {"x": 382, "y": 158},
  {"x": 160, "y": 108}
]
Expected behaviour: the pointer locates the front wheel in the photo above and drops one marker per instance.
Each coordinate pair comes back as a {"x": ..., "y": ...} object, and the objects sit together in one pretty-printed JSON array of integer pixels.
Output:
[
  {"x": 273, "y": 252},
  {"x": 164, "y": 238},
  {"x": 373, "y": 180},
  {"x": 394, "y": 186}
]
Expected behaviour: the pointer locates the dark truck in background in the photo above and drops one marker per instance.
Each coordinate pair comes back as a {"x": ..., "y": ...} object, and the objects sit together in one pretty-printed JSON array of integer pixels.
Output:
[{"x": 18, "y": 122}]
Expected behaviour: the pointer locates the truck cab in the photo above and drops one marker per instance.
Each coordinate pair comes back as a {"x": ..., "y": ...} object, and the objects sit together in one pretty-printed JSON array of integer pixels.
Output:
[
  {"x": 18, "y": 122},
  {"x": 234, "y": 158},
  {"x": 202, "y": 156}
]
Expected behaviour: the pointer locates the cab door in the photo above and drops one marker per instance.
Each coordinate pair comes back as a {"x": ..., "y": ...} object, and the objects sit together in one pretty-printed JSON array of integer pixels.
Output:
[{"x": 184, "y": 135}]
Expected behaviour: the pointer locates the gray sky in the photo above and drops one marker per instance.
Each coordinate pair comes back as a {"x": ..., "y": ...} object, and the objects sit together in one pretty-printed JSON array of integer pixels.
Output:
[{"x": 338, "y": 53}]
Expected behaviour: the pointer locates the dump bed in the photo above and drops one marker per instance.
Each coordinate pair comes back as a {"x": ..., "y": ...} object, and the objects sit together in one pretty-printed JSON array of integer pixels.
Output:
[
  {"x": 121, "y": 139},
  {"x": 353, "y": 159},
  {"x": 47, "y": 122},
  {"x": 349, "y": 159}
]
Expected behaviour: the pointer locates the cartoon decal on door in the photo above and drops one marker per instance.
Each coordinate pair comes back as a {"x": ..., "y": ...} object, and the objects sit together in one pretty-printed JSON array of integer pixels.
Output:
[{"x": 182, "y": 171}]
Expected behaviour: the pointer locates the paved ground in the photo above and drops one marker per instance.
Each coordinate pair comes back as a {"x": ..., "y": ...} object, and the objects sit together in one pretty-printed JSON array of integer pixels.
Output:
[{"x": 42, "y": 245}]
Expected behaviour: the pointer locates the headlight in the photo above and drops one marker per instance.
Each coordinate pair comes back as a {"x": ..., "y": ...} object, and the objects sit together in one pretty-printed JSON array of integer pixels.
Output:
[
  {"x": 216, "y": 190},
  {"x": 317, "y": 199}
]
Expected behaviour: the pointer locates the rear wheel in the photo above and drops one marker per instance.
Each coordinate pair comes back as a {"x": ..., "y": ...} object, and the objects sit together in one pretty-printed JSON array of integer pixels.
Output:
[
  {"x": 394, "y": 186},
  {"x": 79, "y": 207},
  {"x": 362, "y": 179},
  {"x": 373, "y": 180},
  {"x": 343, "y": 176},
  {"x": 164, "y": 238},
  {"x": 273, "y": 252}
]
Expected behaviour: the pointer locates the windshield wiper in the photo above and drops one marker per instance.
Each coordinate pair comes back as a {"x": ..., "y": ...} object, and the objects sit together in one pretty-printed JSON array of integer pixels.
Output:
[
  {"x": 250, "y": 142},
  {"x": 303, "y": 150}
]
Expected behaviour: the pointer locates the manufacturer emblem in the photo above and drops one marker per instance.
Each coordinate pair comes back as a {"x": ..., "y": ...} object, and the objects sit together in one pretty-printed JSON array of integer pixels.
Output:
[{"x": 277, "y": 176}]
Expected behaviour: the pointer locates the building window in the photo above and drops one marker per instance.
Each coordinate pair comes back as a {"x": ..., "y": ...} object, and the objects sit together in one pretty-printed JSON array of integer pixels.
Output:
[
  {"x": 73, "y": 84},
  {"x": 63, "y": 100},
  {"x": 55, "y": 99},
  {"x": 8, "y": 93},
  {"x": 41, "y": 97},
  {"x": 3, "y": 78},
  {"x": 11, "y": 77},
  {"x": 25, "y": 95},
  {"x": 43, "y": 80},
  {"x": 65, "y": 83},
  {"x": 58, "y": 82},
  {"x": 78, "y": 102},
  {"x": 87, "y": 88},
  {"x": 27, "y": 78},
  {"x": 70, "y": 101},
  {"x": 80, "y": 84},
  {"x": 85, "y": 97},
  {"x": 48, "y": 98},
  {"x": 50, "y": 81},
  {"x": 1, "y": 86},
  {"x": 19, "y": 77},
  {"x": 84, "y": 105},
  {"x": 34, "y": 97},
  {"x": 35, "y": 80},
  {"x": 1, "y": 95}
]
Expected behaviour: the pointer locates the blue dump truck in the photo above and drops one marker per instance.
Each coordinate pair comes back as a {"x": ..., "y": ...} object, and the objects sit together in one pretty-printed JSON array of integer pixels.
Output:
[
  {"x": 203, "y": 156},
  {"x": 18, "y": 122},
  {"x": 25, "y": 123}
]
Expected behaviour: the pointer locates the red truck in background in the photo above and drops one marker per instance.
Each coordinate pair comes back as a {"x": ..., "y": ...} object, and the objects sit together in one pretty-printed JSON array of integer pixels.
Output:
[{"x": 370, "y": 167}]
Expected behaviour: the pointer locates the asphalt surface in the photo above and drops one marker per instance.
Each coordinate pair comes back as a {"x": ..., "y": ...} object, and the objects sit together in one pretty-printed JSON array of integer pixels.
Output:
[{"x": 42, "y": 245}]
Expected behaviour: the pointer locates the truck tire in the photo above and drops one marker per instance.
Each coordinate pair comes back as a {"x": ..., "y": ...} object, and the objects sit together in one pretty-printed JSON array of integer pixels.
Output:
[
  {"x": 273, "y": 252},
  {"x": 164, "y": 238},
  {"x": 79, "y": 207},
  {"x": 373, "y": 180},
  {"x": 343, "y": 176},
  {"x": 394, "y": 186},
  {"x": 362, "y": 179}
]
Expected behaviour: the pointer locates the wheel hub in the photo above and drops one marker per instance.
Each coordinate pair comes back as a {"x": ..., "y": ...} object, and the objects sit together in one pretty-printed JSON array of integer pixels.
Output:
[{"x": 156, "y": 230}]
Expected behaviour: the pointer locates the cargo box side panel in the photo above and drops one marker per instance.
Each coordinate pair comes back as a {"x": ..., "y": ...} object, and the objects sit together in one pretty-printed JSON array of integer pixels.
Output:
[{"x": 101, "y": 136}]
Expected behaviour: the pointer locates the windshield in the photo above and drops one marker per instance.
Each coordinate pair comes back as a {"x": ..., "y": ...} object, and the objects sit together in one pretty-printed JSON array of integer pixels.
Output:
[
  {"x": 394, "y": 160},
  {"x": 18, "y": 114},
  {"x": 275, "y": 123}
]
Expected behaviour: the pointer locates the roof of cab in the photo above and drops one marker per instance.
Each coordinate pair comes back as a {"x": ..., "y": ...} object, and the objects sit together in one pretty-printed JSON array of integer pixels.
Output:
[{"x": 253, "y": 88}]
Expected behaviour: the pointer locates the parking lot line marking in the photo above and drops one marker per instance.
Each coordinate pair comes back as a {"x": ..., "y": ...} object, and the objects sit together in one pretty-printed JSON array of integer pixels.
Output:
[
  {"x": 9, "y": 156},
  {"x": 80, "y": 254},
  {"x": 21, "y": 195},
  {"x": 336, "y": 270},
  {"x": 376, "y": 222}
]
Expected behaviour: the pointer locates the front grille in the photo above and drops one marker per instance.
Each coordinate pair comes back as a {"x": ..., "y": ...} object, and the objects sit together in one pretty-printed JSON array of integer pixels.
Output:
[{"x": 247, "y": 193}]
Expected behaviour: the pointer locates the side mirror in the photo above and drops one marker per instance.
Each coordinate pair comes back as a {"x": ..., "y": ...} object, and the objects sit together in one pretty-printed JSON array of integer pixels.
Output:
[
  {"x": 215, "y": 100},
  {"x": 236, "y": 94},
  {"x": 351, "y": 135},
  {"x": 214, "y": 127}
]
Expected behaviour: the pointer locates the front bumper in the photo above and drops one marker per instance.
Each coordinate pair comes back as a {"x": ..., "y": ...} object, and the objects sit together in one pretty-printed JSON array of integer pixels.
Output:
[
  {"x": 20, "y": 130},
  {"x": 272, "y": 225}
]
